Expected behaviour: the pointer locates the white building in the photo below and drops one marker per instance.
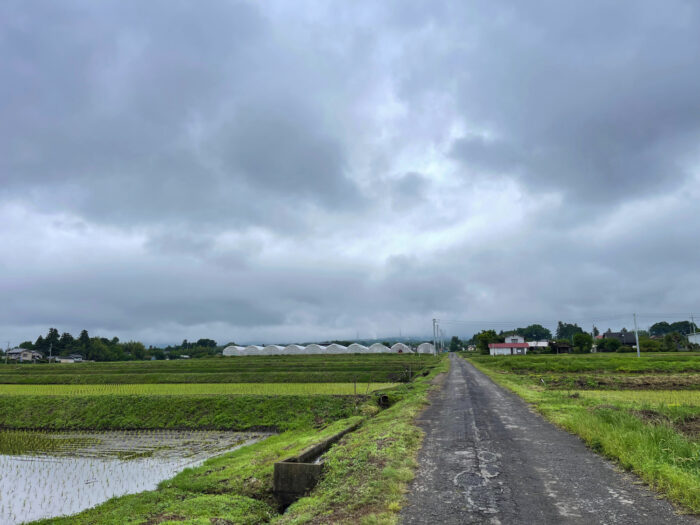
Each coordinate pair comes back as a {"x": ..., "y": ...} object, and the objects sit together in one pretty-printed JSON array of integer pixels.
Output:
[
  {"x": 694, "y": 338},
  {"x": 509, "y": 348},
  {"x": 24, "y": 355}
]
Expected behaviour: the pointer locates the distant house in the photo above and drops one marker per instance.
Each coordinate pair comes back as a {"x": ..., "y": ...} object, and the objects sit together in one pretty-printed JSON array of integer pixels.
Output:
[
  {"x": 561, "y": 347},
  {"x": 77, "y": 358},
  {"x": 514, "y": 345},
  {"x": 626, "y": 338},
  {"x": 23, "y": 355}
]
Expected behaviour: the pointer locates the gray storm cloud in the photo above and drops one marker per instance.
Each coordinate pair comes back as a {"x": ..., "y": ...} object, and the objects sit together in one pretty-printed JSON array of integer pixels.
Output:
[{"x": 269, "y": 172}]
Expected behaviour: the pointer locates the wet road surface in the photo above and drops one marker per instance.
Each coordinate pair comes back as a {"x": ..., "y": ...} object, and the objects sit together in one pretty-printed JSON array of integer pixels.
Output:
[{"x": 487, "y": 458}]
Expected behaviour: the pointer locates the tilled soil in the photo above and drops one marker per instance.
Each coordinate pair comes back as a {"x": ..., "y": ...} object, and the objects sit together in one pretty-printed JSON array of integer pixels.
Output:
[{"x": 487, "y": 458}]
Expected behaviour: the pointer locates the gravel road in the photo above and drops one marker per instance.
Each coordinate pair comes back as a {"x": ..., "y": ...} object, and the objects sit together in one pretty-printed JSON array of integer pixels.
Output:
[{"x": 487, "y": 458}]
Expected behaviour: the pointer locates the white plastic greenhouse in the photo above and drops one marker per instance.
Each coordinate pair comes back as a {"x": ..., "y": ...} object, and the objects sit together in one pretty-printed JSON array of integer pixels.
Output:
[
  {"x": 425, "y": 348},
  {"x": 233, "y": 350},
  {"x": 253, "y": 350},
  {"x": 355, "y": 348},
  {"x": 273, "y": 350},
  {"x": 400, "y": 348},
  {"x": 294, "y": 350},
  {"x": 336, "y": 349},
  {"x": 379, "y": 348},
  {"x": 315, "y": 349}
]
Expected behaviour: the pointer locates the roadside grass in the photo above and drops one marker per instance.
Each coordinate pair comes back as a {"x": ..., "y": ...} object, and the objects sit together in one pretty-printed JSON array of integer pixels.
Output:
[
  {"x": 622, "y": 427},
  {"x": 189, "y": 389},
  {"x": 366, "y": 474}
]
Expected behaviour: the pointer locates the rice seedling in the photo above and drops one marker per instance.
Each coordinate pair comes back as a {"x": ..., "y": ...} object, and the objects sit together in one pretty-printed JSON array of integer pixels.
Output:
[{"x": 259, "y": 389}]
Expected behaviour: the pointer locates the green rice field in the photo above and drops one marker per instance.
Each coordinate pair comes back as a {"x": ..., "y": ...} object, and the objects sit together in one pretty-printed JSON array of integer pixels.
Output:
[
  {"x": 652, "y": 397},
  {"x": 189, "y": 389},
  {"x": 346, "y": 368}
]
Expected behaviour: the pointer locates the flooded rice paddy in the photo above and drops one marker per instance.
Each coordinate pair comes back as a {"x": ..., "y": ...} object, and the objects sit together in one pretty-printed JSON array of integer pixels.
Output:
[{"x": 63, "y": 473}]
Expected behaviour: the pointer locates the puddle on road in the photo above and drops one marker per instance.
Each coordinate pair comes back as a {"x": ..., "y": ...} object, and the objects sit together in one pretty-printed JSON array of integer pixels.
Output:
[{"x": 88, "y": 468}]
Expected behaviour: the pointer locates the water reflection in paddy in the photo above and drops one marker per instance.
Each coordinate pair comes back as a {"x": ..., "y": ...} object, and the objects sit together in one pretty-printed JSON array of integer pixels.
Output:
[{"x": 90, "y": 468}]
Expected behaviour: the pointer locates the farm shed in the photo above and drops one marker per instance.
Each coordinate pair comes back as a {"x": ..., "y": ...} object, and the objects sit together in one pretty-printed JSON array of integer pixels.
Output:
[
  {"x": 379, "y": 348},
  {"x": 357, "y": 348},
  {"x": 336, "y": 349},
  {"x": 233, "y": 350},
  {"x": 425, "y": 348},
  {"x": 315, "y": 349},
  {"x": 400, "y": 348},
  {"x": 513, "y": 348}
]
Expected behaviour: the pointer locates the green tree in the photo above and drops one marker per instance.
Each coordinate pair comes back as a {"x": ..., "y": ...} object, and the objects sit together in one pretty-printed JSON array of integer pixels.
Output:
[
  {"x": 484, "y": 338},
  {"x": 683, "y": 327},
  {"x": 65, "y": 344},
  {"x": 27, "y": 345},
  {"x": 582, "y": 343},
  {"x": 567, "y": 331},
  {"x": 40, "y": 345},
  {"x": 208, "y": 343},
  {"x": 609, "y": 345},
  {"x": 52, "y": 339},
  {"x": 535, "y": 332},
  {"x": 136, "y": 349},
  {"x": 455, "y": 344},
  {"x": 660, "y": 329},
  {"x": 596, "y": 332},
  {"x": 84, "y": 339}
]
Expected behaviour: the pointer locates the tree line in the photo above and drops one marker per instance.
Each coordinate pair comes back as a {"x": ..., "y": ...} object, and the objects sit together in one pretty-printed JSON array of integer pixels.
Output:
[
  {"x": 661, "y": 337},
  {"x": 103, "y": 349}
]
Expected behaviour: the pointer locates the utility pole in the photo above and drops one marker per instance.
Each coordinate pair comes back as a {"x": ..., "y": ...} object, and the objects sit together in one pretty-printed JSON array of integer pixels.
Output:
[
  {"x": 434, "y": 336},
  {"x": 636, "y": 334}
]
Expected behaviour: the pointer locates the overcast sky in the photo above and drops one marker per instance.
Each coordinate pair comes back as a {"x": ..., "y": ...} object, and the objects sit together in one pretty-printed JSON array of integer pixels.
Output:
[{"x": 290, "y": 171}]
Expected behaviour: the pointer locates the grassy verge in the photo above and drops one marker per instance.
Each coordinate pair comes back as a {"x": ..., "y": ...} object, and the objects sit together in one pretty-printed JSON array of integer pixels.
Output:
[
  {"x": 365, "y": 475},
  {"x": 654, "y": 449},
  {"x": 222, "y": 412}
]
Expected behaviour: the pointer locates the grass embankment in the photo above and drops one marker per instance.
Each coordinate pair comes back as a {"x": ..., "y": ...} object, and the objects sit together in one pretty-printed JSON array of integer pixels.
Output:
[
  {"x": 233, "y": 488},
  {"x": 643, "y": 431},
  {"x": 364, "y": 477},
  {"x": 258, "y": 389},
  {"x": 223, "y": 412},
  {"x": 344, "y": 368}
]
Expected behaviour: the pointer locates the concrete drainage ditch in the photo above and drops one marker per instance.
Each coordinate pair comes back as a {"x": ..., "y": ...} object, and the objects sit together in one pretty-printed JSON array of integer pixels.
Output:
[{"x": 296, "y": 476}]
